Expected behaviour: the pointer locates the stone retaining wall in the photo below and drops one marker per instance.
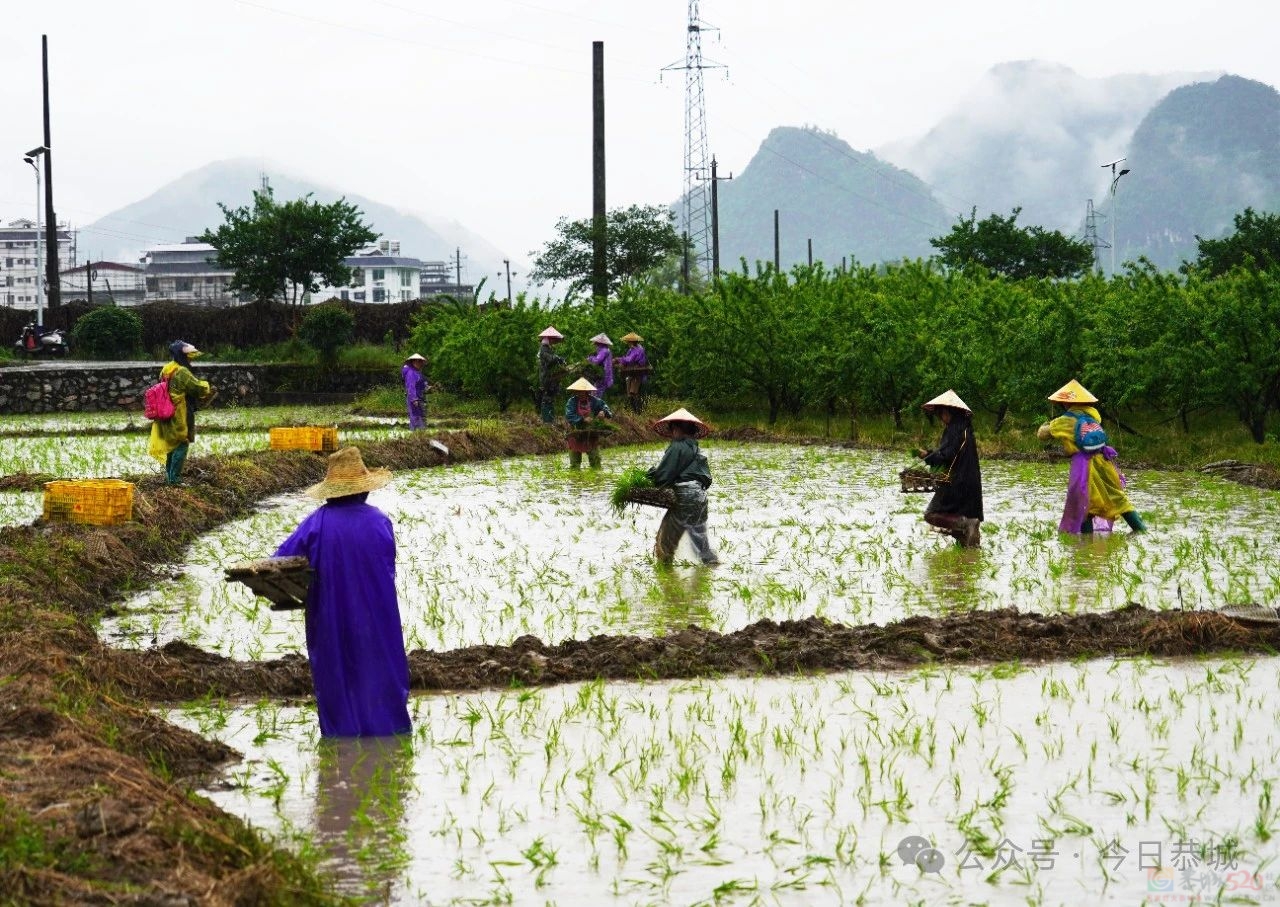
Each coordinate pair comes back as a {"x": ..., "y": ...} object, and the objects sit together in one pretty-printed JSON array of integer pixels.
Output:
[{"x": 96, "y": 386}]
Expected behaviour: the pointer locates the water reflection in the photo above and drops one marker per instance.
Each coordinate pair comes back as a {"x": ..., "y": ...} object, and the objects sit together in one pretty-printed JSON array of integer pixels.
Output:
[
  {"x": 362, "y": 786},
  {"x": 953, "y": 576},
  {"x": 680, "y": 596}
]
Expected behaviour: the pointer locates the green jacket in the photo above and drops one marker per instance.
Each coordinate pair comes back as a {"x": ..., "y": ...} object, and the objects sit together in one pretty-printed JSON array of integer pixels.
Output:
[{"x": 681, "y": 462}]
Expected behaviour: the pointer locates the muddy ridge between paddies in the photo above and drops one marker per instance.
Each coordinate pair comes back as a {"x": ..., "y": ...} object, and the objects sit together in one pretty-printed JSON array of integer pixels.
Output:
[{"x": 94, "y": 802}]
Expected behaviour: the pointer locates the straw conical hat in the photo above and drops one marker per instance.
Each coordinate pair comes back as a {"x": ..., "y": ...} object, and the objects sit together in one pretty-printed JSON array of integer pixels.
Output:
[
  {"x": 1072, "y": 392},
  {"x": 633, "y": 337},
  {"x": 602, "y": 338},
  {"x": 348, "y": 475},
  {"x": 582, "y": 384},
  {"x": 416, "y": 357},
  {"x": 551, "y": 334},
  {"x": 663, "y": 425},
  {"x": 951, "y": 399}
]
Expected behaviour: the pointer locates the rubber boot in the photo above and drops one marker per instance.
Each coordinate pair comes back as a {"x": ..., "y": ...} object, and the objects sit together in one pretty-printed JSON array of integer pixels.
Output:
[
  {"x": 575, "y": 460},
  {"x": 593, "y": 458},
  {"x": 1134, "y": 519},
  {"x": 173, "y": 464},
  {"x": 1086, "y": 527}
]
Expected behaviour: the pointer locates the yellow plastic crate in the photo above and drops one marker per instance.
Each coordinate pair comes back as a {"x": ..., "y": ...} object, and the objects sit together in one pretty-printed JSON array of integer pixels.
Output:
[
  {"x": 305, "y": 438},
  {"x": 103, "y": 502}
]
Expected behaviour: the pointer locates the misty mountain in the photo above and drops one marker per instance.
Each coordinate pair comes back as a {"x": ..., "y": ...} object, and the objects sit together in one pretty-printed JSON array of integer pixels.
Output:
[
  {"x": 189, "y": 205},
  {"x": 850, "y": 203},
  {"x": 1201, "y": 156},
  {"x": 1033, "y": 134}
]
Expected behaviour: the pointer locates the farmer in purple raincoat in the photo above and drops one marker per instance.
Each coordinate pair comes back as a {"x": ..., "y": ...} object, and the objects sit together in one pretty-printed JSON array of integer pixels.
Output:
[
  {"x": 415, "y": 390},
  {"x": 603, "y": 357},
  {"x": 354, "y": 639},
  {"x": 634, "y": 364}
]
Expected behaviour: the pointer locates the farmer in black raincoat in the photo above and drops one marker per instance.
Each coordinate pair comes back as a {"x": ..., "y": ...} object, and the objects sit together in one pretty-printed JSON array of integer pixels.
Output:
[{"x": 956, "y": 507}]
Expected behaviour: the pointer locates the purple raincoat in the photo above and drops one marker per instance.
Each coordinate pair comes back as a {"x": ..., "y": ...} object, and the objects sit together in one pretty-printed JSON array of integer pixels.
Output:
[
  {"x": 603, "y": 357},
  {"x": 354, "y": 640},
  {"x": 1076, "y": 508},
  {"x": 634, "y": 358},
  {"x": 415, "y": 393}
]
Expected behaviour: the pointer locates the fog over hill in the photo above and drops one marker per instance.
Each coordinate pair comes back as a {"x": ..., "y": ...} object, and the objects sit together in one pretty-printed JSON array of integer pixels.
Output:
[
  {"x": 189, "y": 205},
  {"x": 1033, "y": 134}
]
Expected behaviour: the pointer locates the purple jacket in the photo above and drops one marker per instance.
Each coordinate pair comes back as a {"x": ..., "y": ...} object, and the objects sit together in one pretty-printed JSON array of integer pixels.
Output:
[
  {"x": 603, "y": 357},
  {"x": 634, "y": 357}
]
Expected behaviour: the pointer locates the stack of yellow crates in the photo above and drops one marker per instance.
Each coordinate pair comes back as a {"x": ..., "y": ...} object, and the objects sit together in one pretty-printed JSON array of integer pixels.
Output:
[
  {"x": 102, "y": 502},
  {"x": 308, "y": 437}
]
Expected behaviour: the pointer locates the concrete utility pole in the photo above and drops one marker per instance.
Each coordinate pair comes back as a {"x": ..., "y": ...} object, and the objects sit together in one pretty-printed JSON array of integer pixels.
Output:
[
  {"x": 599, "y": 269},
  {"x": 777, "y": 246},
  {"x": 715, "y": 218},
  {"x": 811, "y": 251},
  {"x": 457, "y": 264},
  {"x": 506, "y": 263},
  {"x": 50, "y": 219}
]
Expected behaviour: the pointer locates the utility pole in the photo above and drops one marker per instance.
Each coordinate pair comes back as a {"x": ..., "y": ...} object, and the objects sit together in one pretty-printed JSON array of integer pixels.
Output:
[
  {"x": 599, "y": 272},
  {"x": 51, "y": 220},
  {"x": 715, "y": 218},
  {"x": 457, "y": 264},
  {"x": 88, "y": 280},
  {"x": 811, "y": 251},
  {"x": 777, "y": 256},
  {"x": 506, "y": 263},
  {"x": 1115, "y": 178}
]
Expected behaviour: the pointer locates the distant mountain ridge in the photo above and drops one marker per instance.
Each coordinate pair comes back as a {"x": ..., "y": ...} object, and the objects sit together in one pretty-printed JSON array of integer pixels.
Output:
[
  {"x": 1199, "y": 157},
  {"x": 851, "y": 203},
  {"x": 189, "y": 205},
  {"x": 1033, "y": 134}
]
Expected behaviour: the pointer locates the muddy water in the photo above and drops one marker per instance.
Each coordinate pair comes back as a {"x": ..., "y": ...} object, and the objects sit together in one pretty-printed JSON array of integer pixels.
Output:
[
  {"x": 1054, "y": 785},
  {"x": 491, "y": 551}
]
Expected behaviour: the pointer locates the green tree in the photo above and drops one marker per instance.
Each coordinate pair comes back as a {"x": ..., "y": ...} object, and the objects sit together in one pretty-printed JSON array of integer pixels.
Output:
[
  {"x": 490, "y": 352},
  {"x": 1255, "y": 244},
  {"x": 280, "y": 251},
  {"x": 326, "y": 329},
  {"x": 638, "y": 240},
  {"x": 1000, "y": 246},
  {"x": 108, "y": 333}
]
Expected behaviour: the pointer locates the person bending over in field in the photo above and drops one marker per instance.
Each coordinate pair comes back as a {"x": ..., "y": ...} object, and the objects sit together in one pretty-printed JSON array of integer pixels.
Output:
[
  {"x": 956, "y": 507},
  {"x": 1095, "y": 488},
  {"x": 683, "y": 468}
]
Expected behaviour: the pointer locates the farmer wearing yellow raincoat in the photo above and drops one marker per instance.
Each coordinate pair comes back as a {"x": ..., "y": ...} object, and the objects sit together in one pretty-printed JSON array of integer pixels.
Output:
[
  {"x": 1095, "y": 488},
  {"x": 171, "y": 438}
]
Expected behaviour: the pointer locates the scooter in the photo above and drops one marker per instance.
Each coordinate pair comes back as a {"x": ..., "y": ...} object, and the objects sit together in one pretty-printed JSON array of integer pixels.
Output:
[{"x": 37, "y": 340}]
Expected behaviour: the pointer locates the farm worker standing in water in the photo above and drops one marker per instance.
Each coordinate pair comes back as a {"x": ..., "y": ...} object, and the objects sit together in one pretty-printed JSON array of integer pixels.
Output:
[
  {"x": 603, "y": 357},
  {"x": 1095, "y": 488},
  {"x": 549, "y": 365},
  {"x": 683, "y": 468},
  {"x": 171, "y": 438},
  {"x": 355, "y": 642},
  {"x": 635, "y": 369},
  {"x": 415, "y": 390},
  {"x": 581, "y": 411},
  {"x": 956, "y": 507}
]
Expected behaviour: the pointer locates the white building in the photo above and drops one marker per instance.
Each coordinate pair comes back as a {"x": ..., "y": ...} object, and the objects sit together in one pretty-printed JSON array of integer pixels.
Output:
[
  {"x": 378, "y": 274},
  {"x": 19, "y": 269},
  {"x": 104, "y": 282},
  {"x": 185, "y": 272}
]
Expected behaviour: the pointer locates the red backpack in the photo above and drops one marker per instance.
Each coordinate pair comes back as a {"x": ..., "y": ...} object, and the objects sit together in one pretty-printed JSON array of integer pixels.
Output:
[{"x": 156, "y": 402}]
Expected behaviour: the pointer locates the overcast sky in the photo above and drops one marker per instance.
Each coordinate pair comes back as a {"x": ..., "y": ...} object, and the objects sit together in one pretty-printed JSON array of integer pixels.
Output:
[{"x": 480, "y": 111}]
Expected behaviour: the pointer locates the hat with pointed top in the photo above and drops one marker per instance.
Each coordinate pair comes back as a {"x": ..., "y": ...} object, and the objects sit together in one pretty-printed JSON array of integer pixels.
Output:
[
  {"x": 348, "y": 475},
  {"x": 632, "y": 337},
  {"x": 551, "y": 334},
  {"x": 582, "y": 384},
  {"x": 602, "y": 339},
  {"x": 698, "y": 428},
  {"x": 1072, "y": 392},
  {"x": 950, "y": 398}
]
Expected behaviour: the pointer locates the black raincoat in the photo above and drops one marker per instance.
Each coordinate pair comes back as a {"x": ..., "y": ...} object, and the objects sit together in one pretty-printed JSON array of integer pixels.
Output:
[{"x": 958, "y": 453}]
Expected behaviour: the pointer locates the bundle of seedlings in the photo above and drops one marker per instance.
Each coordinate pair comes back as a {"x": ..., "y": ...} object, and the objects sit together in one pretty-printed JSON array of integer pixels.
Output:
[{"x": 635, "y": 487}]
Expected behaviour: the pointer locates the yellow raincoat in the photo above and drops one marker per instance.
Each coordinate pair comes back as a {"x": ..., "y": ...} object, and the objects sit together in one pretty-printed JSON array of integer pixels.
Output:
[
  {"x": 1107, "y": 498},
  {"x": 168, "y": 434}
]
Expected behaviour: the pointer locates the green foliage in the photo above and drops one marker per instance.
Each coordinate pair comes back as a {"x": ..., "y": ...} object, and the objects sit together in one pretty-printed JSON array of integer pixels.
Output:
[
  {"x": 632, "y": 477},
  {"x": 108, "y": 333},
  {"x": 488, "y": 352},
  {"x": 1000, "y": 246},
  {"x": 326, "y": 329},
  {"x": 280, "y": 251},
  {"x": 1255, "y": 245},
  {"x": 638, "y": 240}
]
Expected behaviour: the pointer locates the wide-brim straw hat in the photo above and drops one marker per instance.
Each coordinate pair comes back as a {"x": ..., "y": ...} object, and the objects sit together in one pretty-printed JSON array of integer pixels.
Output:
[
  {"x": 951, "y": 399},
  {"x": 348, "y": 475},
  {"x": 633, "y": 337},
  {"x": 603, "y": 339},
  {"x": 551, "y": 334},
  {"x": 1072, "y": 392},
  {"x": 416, "y": 357},
  {"x": 582, "y": 384},
  {"x": 663, "y": 425}
]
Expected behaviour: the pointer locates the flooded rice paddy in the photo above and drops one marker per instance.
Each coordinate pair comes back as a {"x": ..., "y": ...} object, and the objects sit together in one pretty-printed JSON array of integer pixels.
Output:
[
  {"x": 492, "y": 551},
  {"x": 1128, "y": 782}
]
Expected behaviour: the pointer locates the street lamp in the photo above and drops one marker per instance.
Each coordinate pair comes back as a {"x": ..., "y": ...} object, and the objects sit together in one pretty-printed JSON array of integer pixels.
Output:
[
  {"x": 507, "y": 264},
  {"x": 32, "y": 157},
  {"x": 1115, "y": 178}
]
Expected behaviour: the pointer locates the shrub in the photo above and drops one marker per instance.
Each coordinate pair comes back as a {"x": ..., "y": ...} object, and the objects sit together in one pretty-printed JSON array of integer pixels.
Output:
[
  {"x": 327, "y": 329},
  {"x": 108, "y": 333}
]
